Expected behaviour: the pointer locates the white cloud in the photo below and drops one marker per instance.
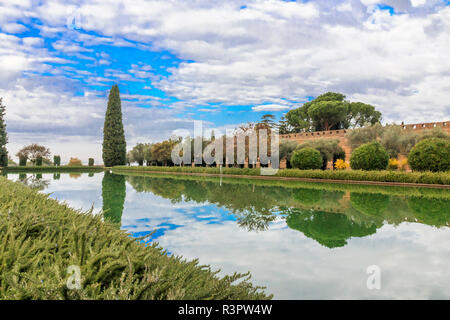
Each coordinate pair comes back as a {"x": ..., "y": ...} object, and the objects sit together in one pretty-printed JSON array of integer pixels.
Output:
[
  {"x": 270, "y": 107},
  {"x": 14, "y": 28},
  {"x": 258, "y": 55},
  {"x": 417, "y": 3}
]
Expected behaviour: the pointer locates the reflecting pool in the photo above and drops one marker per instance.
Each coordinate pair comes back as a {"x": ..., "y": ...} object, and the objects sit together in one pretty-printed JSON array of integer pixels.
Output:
[{"x": 300, "y": 240}]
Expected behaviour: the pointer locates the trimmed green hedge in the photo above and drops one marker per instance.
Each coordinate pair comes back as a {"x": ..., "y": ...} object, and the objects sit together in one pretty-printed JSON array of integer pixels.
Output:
[
  {"x": 307, "y": 158},
  {"x": 430, "y": 155},
  {"x": 41, "y": 238},
  {"x": 51, "y": 169},
  {"x": 354, "y": 175},
  {"x": 369, "y": 156}
]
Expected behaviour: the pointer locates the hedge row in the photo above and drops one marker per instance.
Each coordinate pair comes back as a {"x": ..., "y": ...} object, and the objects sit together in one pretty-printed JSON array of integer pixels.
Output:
[
  {"x": 51, "y": 169},
  {"x": 442, "y": 178},
  {"x": 40, "y": 238},
  {"x": 379, "y": 176}
]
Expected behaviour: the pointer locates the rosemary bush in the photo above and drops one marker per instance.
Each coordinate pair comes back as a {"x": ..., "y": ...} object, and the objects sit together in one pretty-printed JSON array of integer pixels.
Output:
[{"x": 40, "y": 238}]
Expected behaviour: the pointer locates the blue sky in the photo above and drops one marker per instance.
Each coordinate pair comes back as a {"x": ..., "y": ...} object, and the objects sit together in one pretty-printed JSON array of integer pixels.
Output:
[{"x": 225, "y": 63}]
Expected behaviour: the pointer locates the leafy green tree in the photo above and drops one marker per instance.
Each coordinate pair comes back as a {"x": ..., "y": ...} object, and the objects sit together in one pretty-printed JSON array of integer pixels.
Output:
[
  {"x": 138, "y": 154},
  {"x": 358, "y": 137},
  {"x": 286, "y": 150},
  {"x": 57, "y": 160},
  {"x": 299, "y": 120},
  {"x": 268, "y": 120},
  {"x": 328, "y": 115},
  {"x": 331, "y": 111},
  {"x": 23, "y": 161},
  {"x": 361, "y": 114},
  {"x": 33, "y": 152},
  {"x": 283, "y": 126},
  {"x": 162, "y": 151},
  {"x": 114, "y": 144},
  {"x": 148, "y": 153},
  {"x": 3, "y": 137},
  {"x": 397, "y": 141}
]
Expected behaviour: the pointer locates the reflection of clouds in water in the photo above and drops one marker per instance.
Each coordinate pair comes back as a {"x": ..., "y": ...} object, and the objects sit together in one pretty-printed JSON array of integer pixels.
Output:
[
  {"x": 81, "y": 193},
  {"x": 293, "y": 266},
  {"x": 145, "y": 212},
  {"x": 413, "y": 257}
]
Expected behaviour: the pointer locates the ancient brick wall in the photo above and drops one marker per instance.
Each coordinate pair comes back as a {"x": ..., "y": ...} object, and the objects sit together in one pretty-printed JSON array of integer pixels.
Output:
[{"x": 340, "y": 135}]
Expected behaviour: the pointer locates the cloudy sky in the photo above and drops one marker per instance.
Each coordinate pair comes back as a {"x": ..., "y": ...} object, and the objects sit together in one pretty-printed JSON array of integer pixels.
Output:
[{"x": 223, "y": 62}]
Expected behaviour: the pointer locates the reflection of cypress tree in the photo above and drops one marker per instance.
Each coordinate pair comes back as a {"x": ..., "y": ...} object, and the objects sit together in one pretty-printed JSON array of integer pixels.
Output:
[
  {"x": 113, "y": 193},
  {"x": 91, "y": 174},
  {"x": 369, "y": 203},
  {"x": 22, "y": 176},
  {"x": 435, "y": 212},
  {"x": 56, "y": 176},
  {"x": 329, "y": 229}
]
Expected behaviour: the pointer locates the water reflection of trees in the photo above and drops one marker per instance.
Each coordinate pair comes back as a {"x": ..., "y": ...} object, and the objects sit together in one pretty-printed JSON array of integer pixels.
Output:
[
  {"x": 113, "y": 193},
  {"x": 329, "y": 217},
  {"x": 329, "y": 229},
  {"x": 34, "y": 181}
]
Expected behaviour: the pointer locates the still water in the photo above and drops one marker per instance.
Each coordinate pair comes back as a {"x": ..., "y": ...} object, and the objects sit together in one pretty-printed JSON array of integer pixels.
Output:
[{"x": 299, "y": 240}]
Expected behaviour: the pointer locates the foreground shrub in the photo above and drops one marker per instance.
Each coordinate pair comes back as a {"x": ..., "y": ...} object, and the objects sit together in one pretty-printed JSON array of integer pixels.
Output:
[
  {"x": 307, "y": 158},
  {"x": 329, "y": 150},
  {"x": 430, "y": 155},
  {"x": 370, "y": 156},
  {"x": 40, "y": 238}
]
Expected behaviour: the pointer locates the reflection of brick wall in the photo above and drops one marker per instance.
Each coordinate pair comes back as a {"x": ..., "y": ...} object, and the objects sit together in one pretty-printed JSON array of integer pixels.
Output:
[{"x": 340, "y": 134}]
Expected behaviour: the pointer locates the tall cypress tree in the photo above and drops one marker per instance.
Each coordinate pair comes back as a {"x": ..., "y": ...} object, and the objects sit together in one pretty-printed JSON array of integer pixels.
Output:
[
  {"x": 114, "y": 144},
  {"x": 3, "y": 137}
]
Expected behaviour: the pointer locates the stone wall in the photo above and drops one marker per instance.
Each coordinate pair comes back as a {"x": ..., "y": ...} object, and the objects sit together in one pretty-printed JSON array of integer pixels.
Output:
[{"x": 340, "y": 135}]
